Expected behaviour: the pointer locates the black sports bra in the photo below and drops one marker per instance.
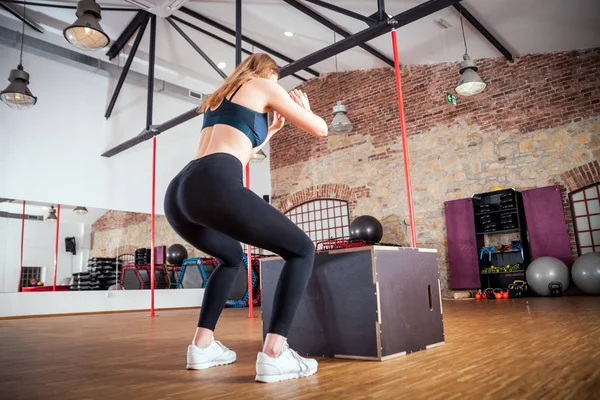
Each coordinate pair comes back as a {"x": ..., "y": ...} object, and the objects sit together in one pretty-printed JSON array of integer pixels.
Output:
[{"x": 251, "y": 123}]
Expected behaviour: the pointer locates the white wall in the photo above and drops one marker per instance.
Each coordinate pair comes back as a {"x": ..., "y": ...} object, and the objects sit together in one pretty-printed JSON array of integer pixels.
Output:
[
  {"x": 20, "y": 304},
  {"x": 3, "y": 244},
  {"x": 52, "y": 151},
  {"x": 39, "y": 246},
  {"x": 260, "y": 175}
]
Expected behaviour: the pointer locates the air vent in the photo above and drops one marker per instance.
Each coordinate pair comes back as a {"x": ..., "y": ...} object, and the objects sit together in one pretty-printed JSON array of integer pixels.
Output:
[
  {"x": 4, "y": 214},
  {"x": 442, "y": 23},
  {"x": 162, "y": 8},
  {"x": 196, "y": 95}
]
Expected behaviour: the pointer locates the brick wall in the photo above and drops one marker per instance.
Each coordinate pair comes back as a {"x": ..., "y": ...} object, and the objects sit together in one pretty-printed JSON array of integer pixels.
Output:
[
  {"x": 538, "y": 118},
  {"x": 118, "y": 219},
  {"x": 119, "y": 232}
]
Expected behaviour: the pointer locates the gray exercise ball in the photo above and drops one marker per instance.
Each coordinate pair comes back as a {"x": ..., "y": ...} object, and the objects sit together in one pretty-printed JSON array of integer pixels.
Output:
[
  {"x": 586, "y": 273},
  {"x": 544, "y": 270}
]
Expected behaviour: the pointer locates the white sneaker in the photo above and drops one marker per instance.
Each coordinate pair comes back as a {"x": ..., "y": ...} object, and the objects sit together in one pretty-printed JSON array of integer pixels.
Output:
[
  {"x": 289, "y": 365},
  {"x": 211, "y": 356}
]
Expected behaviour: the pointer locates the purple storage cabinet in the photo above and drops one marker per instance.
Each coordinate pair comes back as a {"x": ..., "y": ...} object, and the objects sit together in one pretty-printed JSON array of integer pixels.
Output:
[
  {"x": 160, "y": 255},
  {"x": 548, "y": 234},
  {"x": 462, "y": 245}
]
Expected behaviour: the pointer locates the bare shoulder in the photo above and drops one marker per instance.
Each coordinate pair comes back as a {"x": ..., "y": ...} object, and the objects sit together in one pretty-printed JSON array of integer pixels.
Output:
[{"x": 265, "y": 85}]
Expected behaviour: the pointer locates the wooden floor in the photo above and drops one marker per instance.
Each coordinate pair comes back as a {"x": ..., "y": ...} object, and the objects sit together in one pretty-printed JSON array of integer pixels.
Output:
[{"x": 538, "y": 348}]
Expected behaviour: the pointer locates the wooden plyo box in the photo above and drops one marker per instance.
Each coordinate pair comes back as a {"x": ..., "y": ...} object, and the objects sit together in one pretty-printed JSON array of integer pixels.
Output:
[{"x": 371, "y": 303}]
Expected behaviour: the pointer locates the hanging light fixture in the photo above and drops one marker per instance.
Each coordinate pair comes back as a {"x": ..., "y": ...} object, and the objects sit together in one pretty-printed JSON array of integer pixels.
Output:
[
  {"x": 80, "y": 210},
  {"x": 86, "y": 33},
  {"x": 51, "y": 217},
  {"x": 470, "y": 83},
  {"x": 340, "y": 122},
  {"x": 17, "y": 95},
  {"x": 258, "y": 156}
]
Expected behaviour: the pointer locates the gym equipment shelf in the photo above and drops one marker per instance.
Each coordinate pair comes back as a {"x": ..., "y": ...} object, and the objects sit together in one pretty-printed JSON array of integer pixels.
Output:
[
  {"x": 499, "y": 231},
  {"x": 496, "y": 211},
  {"x": 544, "y": 233},
  {"x": 517, "y": 216},
  {"x": 520, "y": 271}
]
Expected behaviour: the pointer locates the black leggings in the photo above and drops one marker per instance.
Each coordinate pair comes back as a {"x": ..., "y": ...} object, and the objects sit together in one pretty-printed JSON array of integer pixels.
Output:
[{"x": 209, "y": 207}]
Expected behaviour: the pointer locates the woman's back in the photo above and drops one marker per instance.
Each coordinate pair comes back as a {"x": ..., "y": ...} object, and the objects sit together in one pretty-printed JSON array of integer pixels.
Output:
[{"x": 225, "y": 132}]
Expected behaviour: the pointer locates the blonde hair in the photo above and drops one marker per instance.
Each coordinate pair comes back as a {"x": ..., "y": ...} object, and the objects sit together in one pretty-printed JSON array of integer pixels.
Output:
[{"x": 258, "y": 65}]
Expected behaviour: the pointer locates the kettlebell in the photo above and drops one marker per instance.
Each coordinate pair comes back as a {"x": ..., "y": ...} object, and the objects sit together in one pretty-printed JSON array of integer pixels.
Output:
[
  {"x": 498, "y": 294},
  {"x": 521, "y": 287},
  {"x": 505, "y": 293},
  {"x": 522, "y": 283},
  {"x": 555, "y": 289},
  {"x": 515, "y": 289},
  {"x": 489, "y": 292}
]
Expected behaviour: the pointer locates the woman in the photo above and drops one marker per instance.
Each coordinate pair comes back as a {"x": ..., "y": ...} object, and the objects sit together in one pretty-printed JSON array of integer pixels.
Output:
[{"x": 209, "y": 207}]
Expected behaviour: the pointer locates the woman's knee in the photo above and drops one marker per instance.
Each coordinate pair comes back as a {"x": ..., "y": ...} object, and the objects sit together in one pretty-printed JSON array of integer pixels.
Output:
[{"x": 305, "y": 247}]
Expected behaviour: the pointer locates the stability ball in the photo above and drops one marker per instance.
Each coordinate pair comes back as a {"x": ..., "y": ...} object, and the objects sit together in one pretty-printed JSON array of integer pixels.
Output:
[
  {"x": 586, "y": 273},
  {"x": 366, "y": 228},
  {"x": 176, "y": 253},
  {"x": 544, "y": 270}
]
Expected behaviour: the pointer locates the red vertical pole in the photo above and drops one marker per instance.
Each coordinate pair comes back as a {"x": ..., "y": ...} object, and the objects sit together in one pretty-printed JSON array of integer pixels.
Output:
[
  {"x": 152, "y": 231},
  {"x": 22, "y": 240},
  {"x": 411, "y": 210},
  {"x": 56, "y": 247},
  {"x": 249, "y": 255}
]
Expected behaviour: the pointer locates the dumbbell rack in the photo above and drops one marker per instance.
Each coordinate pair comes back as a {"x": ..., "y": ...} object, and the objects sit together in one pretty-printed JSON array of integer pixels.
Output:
[
  {"x": 496, "y": 213},
  {"x": 103, "y": 272},
  {"x": 142, "y": 256},
  {"x": 80, "y": 281}
]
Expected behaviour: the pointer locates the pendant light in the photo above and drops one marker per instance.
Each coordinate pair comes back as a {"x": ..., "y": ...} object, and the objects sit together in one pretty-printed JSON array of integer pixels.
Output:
[
  {"x": 258, "y": 156},
  {"x": 470, "y": 83},
  {"x": 86, "y": 33},
  {"x": 51, "y": 217},
  {"x": 17, "y": 95},
  {"x": 340, "y": 122},
  {"x": 80, "y": 210}
]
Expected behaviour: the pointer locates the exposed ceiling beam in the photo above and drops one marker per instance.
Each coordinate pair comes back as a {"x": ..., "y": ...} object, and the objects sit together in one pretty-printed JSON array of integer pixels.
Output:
[
  {"x": 372, "y": 32},
  {"x": 246, "y": 39},
  {"x": 344, "y": 11},
  {"x": 151, "y": 64},
  {"x": 17, "y": 12},
  {"x": 482, "y": 29},
  {"x": 238, "y": 32},
  {"x": 397, "y": 21},
  {"x": 381, "y": 9},
  {"x": 155, "y": 130},
  {"x": 125, "y": 71},
  {"x": 331, "y": 25},
  {"x": 220, "y": 39},
  {"x": 198, "y": 49},
  {"x": 126, "y": 35}
]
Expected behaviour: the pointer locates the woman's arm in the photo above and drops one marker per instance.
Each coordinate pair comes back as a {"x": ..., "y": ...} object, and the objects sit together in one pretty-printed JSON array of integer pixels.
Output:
[{"x": 290, "y": 109}]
